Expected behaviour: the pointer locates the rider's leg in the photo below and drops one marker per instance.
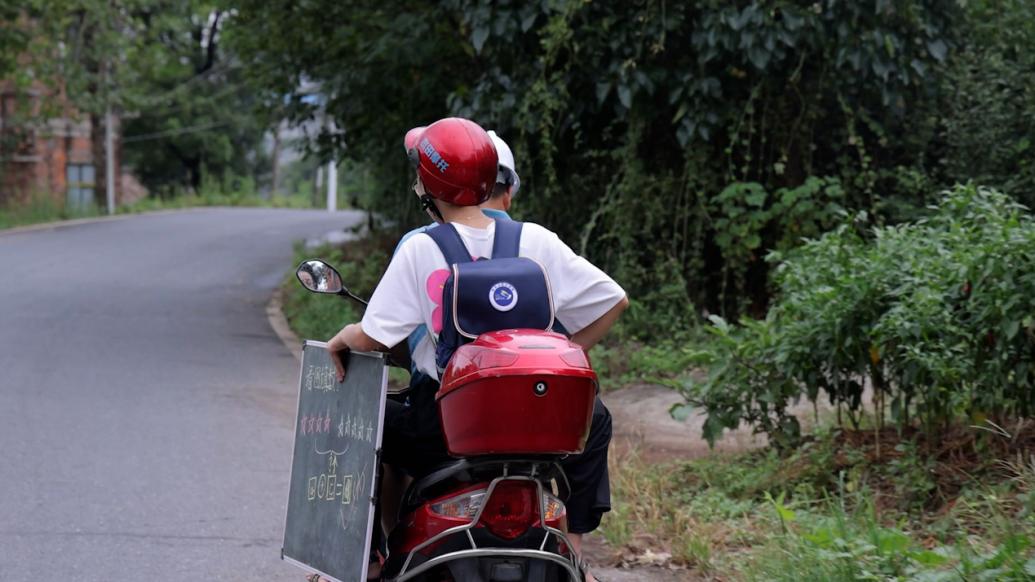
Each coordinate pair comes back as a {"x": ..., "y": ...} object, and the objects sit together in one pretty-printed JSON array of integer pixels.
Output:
[
  {"x": 412, "y": 443},
  {"x": 576, "y": 546},
  {"x": 590, "y": 485},
  {"x": 393, "y": 485}
]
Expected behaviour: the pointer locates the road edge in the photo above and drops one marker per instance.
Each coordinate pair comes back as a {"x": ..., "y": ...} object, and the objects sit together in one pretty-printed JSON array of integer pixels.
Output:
[
  {"x": 59, "y": 224},
  {"x": 279, "y": 323}
]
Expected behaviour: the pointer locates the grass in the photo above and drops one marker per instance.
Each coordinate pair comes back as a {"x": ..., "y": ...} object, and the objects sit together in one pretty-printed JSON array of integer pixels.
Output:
[
  {"x": 833, "y": 510},
  {"x": 151, "y": 203},
  {"x": 40, "y": 208},
  {"x": 232, "y": 192}
]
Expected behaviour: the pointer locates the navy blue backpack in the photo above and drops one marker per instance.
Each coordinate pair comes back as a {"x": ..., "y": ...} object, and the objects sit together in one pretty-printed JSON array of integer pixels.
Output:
[{"x": 504, "y": 292}]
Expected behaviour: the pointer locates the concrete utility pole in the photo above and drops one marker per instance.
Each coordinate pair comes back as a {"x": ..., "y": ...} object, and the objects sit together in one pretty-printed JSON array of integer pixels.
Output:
[
  {"x": 276, "y": 161},
  {"x": 109, "y": 158},
  {"x": 332, "y": 186}
]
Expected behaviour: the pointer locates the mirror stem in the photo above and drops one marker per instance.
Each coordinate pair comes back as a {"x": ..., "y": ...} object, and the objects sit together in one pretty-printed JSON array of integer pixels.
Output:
[{"x": 349, "y": 294}]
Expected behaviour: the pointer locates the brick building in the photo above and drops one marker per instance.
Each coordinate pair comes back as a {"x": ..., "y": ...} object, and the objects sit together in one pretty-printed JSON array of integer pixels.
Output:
[{"x": 46, "y": 150}]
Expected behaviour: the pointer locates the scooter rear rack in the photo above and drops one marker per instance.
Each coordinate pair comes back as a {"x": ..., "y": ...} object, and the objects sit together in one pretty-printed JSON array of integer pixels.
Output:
[{"x": 570, "y": 564}]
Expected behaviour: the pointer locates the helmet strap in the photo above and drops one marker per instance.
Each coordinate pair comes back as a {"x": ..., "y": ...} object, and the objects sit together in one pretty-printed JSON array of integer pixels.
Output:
[{"x": 427, "y": 203}]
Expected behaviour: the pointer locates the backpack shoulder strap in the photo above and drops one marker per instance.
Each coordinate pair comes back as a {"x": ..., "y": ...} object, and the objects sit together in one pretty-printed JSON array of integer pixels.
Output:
[
  {"x": 450, "y": 243},
  {"x": 507, "y": 241}
]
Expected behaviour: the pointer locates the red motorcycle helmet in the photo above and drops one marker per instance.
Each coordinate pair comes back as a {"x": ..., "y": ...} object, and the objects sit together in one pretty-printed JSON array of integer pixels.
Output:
[{"x": 456, "y": 160}]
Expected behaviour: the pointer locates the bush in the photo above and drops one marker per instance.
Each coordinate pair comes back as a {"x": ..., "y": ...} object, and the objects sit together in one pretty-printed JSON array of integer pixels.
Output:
[{"x": 937, "y": 316}]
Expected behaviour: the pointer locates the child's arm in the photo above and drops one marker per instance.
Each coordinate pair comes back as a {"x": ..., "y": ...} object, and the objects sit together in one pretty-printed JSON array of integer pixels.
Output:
[
  {"x": 588, "y": 336},
  {"x": 351, "y": 337},
  {"x": 393, "y": 312}
]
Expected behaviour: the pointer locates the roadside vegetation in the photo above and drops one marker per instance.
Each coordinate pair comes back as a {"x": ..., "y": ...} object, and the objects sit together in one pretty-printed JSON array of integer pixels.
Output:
[
  {"x": 838, "y": 507},
  {"x": 227, "y": 191},
  {"x": 675, "y": 145},
  {"x": 914, "y": 347},
  {"x": 230, "y": 192},
  {"x": 38, "y": 209}
]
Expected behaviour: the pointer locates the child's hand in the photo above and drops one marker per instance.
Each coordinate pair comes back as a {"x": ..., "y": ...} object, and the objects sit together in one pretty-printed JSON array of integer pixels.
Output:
[{"x": 339, "y": 350}]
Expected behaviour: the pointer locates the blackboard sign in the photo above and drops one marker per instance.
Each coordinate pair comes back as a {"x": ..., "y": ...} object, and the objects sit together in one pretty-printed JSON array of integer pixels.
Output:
[{"x": 330, "y": 511}]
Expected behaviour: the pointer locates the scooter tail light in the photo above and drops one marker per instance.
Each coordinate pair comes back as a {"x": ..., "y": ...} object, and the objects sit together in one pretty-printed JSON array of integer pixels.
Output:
[
  {"x": 512, "y": 509},
  {"x": 464, "y": 506}
]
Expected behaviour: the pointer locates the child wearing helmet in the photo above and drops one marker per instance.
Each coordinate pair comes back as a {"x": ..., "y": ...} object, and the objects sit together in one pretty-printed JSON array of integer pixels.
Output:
[{"x": 457, "y": 167}]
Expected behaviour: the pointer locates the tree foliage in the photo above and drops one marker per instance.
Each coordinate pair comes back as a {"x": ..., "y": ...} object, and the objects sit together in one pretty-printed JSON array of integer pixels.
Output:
[
  {"x": 989, "y": 121},
  {"x": 159, "y": 66},
  {"x": 366, "y": 70},
  {"x": 631, "y": 122},
  {"x": 14, "y": 38},
  {"x": 193, "y": 115}
]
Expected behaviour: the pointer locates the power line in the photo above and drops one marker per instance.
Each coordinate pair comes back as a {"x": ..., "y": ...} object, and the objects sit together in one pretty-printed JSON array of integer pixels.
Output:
[
  {"x": 170, "y": 108},
  {"x": 168, "y": 133},
  {"x": 183, "y": 85}
]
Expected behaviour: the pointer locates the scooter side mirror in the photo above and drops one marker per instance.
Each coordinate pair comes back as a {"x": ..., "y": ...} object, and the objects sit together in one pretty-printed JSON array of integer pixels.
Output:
[{"x": 319, "y": 277}]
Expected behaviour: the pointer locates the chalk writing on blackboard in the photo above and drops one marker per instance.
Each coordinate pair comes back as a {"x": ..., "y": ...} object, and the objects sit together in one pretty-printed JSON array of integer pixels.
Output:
[
  {"x": 331, "y": 487},
  {"x": 321, "y": 378}
]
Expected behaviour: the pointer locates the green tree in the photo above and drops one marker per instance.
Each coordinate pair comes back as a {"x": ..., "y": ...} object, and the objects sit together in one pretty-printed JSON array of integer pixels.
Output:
[
  {"x": 82, "y": 43},
  {"x": 159, "y": 65},
  {"x": 631, "y": 120},
  {"x": 364, "y": 71},
  {"x": 14, "y": 38},
  {"x": 192, "y": 114},
  {"x": 989, "y": 125}
]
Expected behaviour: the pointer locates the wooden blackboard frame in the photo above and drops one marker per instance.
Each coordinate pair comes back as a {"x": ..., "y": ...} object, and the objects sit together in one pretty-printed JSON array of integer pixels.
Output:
[{"x": 370, "y": 491}]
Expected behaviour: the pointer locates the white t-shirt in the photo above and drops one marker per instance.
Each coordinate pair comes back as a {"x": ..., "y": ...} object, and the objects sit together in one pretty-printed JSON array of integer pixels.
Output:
[{"x": 410, "y": 292}]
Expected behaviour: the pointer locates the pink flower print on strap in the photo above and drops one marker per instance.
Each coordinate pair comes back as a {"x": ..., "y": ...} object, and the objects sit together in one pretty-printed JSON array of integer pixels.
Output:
[{"x": 435, "y": 286}]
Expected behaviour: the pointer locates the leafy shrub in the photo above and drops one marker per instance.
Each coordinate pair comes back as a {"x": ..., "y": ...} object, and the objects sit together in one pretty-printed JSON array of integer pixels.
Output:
[
  {"x": 743, "y": 212},
  {"x": 936, "y": 316}
]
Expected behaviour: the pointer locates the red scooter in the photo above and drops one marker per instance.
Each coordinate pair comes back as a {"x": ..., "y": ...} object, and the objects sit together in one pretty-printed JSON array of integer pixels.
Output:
[{"x": 513, "y": 403}]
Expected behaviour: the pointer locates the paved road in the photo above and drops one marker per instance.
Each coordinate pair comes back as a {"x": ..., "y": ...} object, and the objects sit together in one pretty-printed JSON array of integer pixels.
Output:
[{"x": 145, "y": 403}]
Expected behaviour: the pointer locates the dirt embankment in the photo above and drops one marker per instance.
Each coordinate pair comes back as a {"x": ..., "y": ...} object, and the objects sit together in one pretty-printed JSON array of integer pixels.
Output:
[{"x": 641, "y": 421}]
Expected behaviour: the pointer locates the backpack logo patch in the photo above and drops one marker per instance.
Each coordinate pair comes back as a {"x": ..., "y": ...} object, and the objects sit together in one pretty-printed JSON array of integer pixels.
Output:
[{"x": 503, "y": 296}]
